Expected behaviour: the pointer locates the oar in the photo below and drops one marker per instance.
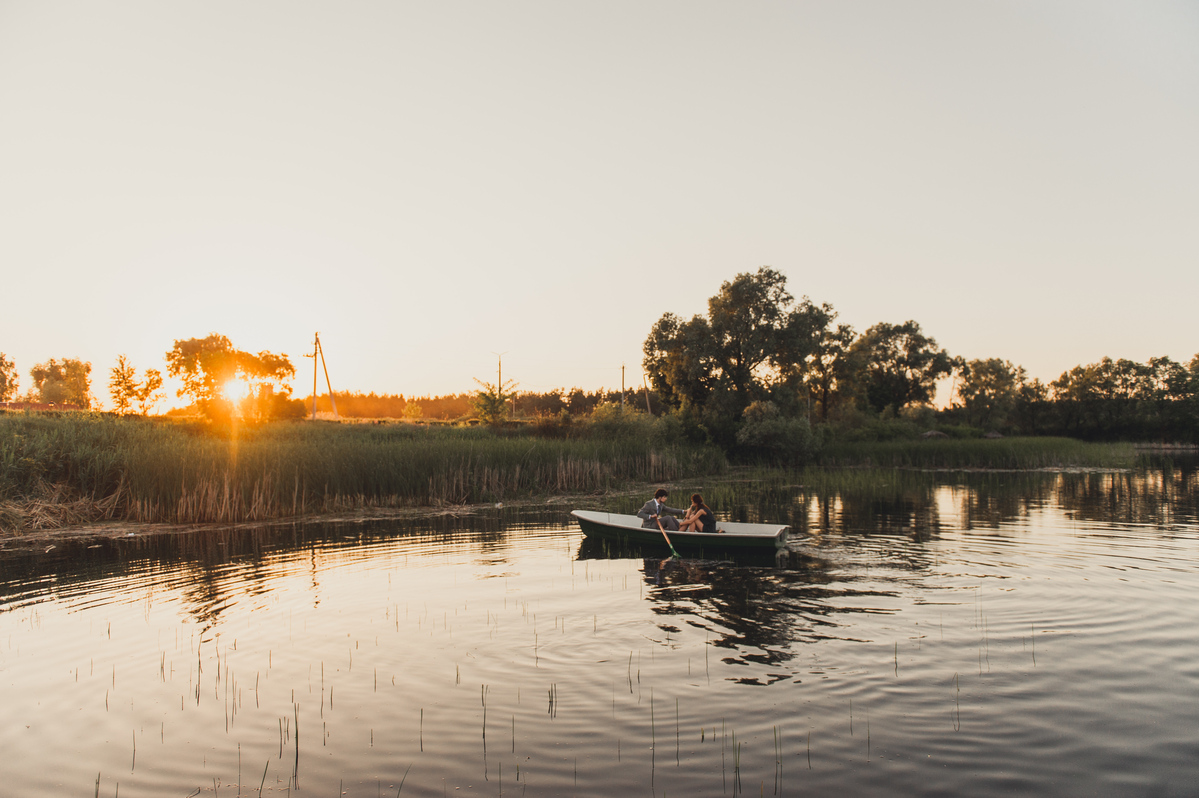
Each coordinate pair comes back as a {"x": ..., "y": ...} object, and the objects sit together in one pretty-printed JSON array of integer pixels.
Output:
[{"x": 662, "y": 529}]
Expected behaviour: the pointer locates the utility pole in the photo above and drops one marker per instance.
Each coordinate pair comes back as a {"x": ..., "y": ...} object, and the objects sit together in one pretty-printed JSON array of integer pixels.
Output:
[
  {"x": 622, "y": 387},
  {"x": 499, "y": 376},
  {"x": 315, "y": 351},
  {"x": 318, "y": 351}
]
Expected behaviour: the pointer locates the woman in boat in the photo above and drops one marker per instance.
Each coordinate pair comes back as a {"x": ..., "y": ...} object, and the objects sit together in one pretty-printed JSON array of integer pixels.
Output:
[{"x": 699, "y": 518}]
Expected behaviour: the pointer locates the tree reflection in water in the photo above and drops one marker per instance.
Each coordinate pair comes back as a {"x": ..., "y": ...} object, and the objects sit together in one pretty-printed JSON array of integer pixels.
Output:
[{"x": 759, "y": 609}]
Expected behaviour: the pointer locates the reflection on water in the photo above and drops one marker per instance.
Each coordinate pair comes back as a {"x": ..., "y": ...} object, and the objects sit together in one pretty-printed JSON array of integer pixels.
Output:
[{"x": 926, "y": 634}]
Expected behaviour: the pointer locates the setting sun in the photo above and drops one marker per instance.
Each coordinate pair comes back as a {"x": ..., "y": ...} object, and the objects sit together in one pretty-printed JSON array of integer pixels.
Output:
[{"x": 235, "y": 390}]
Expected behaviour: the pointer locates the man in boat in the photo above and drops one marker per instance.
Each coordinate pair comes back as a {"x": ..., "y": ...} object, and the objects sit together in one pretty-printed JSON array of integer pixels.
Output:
[{"x": 656, "y": 510}]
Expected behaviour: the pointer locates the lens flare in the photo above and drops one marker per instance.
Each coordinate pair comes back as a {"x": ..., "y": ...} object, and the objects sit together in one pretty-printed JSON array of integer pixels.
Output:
[{"x": 235, "y": 390}]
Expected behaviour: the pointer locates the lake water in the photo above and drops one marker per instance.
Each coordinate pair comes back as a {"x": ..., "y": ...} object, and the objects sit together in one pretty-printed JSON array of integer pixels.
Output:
[{"x": 929, "y": 634}]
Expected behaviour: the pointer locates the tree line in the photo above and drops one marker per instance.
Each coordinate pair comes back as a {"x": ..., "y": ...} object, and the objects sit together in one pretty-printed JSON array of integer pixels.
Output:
[
  {"x": 517, "y": 405},
  {"x": 760, "y": 370},
  {"x": 208, "y": 368}
]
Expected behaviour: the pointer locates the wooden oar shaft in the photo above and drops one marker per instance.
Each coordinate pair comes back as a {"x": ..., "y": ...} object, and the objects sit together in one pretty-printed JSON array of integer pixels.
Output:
[{"x": 662, "y": 529}]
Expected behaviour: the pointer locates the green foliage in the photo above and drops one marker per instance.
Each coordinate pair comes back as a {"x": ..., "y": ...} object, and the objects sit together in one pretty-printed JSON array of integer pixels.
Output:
[
  {"x": 897, "y": 365},
  {"x": 123, "y": 385},
  {"x": 766, "y": 433},
  {"x": 65, "y": 382},
  {"x": 609, "y": 420},
  {"x": 861, "y": 425},
  {"x": 988, "y": 390},
  {"x": 149, "y": 392},
  {"x": 1111, "y": 400},
  {"x": 491, "y": 402},
  {"x": 181, "y": 472},
  {"x": 8, "y": 379},
  {"x": 830, "y": 373},
  {"x": 753, "y": 345},
  {"x": 1013, "y": 453}
]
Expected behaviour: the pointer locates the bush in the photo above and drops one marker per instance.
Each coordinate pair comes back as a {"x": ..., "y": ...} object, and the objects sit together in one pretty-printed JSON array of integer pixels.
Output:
[
  {"x": 766, "y": 433},
  {"x": 611, "y": 421}
]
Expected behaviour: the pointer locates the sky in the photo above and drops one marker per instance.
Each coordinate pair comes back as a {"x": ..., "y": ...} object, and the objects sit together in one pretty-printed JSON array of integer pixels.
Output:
[{"x": 431, "y": 185}]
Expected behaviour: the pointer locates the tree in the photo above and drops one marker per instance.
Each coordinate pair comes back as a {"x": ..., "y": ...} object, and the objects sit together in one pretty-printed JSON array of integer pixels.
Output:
[
  {"x": 8, "y": 379},
  {"x": 680, "y": 361},
  {"x": 988, "y": 390},
  {"x": 267, "y": 392},
  {"x": 827, "y": 366},
  {"x": 898, "y": 365},
  {"x": 491, "y": 403},
  {"x": 1031, "y": 407},
  {"x": 208, "y": 366},
  {"x": 125, "y": 388},
  {"x": 747, "y": 319},
  {"x": 204, "y": 365},
  {"x": 1125, "y": 399},
  {"x": 65, "y": 382},
  {"x": 752, "y": 346},
  {"x": 123, "y": 385},
  {"x": 150, "y": 392}
]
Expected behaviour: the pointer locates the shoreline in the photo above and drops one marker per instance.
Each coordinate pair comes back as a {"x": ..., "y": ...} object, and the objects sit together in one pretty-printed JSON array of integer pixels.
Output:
[
  {"x": 31, "y": 540},
  {"x": 118, "y": 530}
]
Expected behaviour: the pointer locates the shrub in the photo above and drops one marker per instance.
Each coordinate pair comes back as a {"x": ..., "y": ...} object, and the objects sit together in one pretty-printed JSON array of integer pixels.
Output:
[{"x": 765, "y": 432}]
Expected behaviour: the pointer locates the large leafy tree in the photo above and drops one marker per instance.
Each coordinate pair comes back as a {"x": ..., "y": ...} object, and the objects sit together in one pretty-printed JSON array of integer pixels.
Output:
[
  {"x": 8, "y": 379},
  {"x": 828, "y": 370},
  {"x": 898, "y": 365},
  {"x": 988, "y": 390},
  {"x": 207, "y": 365},
  {"x": 63, "y": 382},
  {"x": 751, "y": 346},
  {"x": 204, "y": 365},
  {"x": 748, "y": 320},
  {"x": 681, "y": 362}
]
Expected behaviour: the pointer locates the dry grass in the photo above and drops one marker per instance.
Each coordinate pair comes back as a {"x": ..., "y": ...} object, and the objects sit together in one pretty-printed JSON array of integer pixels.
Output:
[{"x": 55, "y": 507}]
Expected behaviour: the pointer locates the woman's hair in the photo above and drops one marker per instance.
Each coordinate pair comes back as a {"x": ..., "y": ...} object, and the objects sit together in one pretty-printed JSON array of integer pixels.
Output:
[{"x": 697, "y": 499}]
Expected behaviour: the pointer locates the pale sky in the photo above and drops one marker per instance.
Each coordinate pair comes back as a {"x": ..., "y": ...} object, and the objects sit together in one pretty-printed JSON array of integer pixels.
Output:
[{"x": 429, "y": 183}]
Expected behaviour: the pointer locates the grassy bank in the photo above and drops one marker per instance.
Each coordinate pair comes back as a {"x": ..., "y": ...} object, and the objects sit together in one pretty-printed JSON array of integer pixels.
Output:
[
  {"x": 1005, "y": 453},
  {"x": 59, "y": 470},
  {"x": 76, "y": 467}
]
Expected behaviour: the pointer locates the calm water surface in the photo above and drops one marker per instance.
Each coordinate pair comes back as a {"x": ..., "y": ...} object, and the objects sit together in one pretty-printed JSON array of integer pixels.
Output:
[{"x": 928, "y": 635}]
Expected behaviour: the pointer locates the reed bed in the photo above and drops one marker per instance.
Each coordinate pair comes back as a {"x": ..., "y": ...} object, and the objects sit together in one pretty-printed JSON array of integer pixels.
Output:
[
  {"x": 971, "y": 453},
  {"x": 159, "y": 471}
]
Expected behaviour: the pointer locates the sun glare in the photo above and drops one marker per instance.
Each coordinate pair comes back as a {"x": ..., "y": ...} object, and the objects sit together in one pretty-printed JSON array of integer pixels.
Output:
[{"x": 235, "y": 390}]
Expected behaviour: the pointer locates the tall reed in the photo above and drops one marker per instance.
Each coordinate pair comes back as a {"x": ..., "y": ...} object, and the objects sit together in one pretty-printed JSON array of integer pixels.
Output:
[
  {"x": 159, "y": 471},
  {"x": 1005, "y": 453}
]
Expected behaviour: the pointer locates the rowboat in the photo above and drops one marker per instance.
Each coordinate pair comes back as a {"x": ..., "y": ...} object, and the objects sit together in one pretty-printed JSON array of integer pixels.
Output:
[{"x": 730, "y": 535}]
